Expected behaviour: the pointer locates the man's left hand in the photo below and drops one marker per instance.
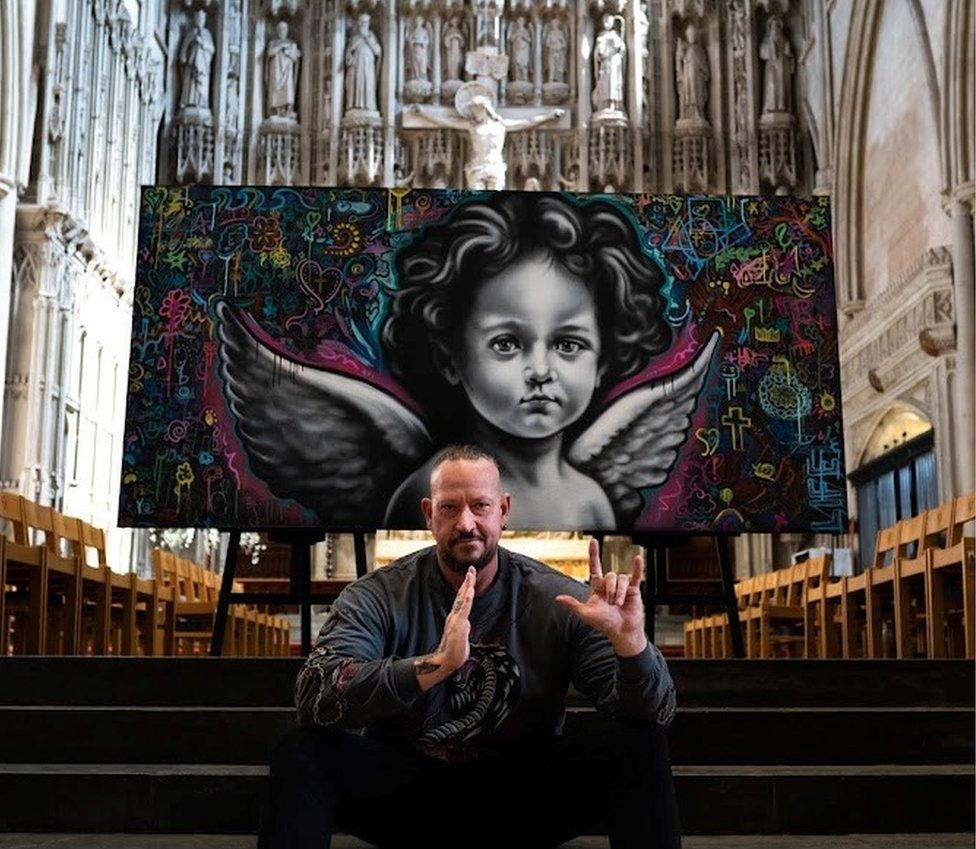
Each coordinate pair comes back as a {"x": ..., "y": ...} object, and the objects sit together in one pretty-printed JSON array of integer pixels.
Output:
[{"x": 615, "y": 607}]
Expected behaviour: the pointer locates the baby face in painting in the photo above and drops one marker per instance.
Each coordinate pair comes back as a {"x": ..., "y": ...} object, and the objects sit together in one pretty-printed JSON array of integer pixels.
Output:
[{"x": 529, "y": 358}]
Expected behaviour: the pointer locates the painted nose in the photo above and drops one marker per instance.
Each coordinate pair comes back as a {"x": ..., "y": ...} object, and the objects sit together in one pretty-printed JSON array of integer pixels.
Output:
[{"x": 537, "y": 369}]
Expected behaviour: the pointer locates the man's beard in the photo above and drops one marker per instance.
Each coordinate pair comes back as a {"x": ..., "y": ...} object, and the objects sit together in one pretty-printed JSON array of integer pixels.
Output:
[{"x": 460, "y": 567}]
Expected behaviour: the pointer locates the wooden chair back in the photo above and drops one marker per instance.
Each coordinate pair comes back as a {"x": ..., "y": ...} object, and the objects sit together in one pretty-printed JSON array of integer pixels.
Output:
[
  {"x": 791, "y": 584},
  {"x": 93, "y": 539},
  {"x": 963, "y": 512},
  {"x": 816, "y": 573},
  {"x": 886, "y": 547},
  {"x": 68, "y": 530},
  {"x": 12, "y": 511},
  {"x": 938, "y": 526},
  {"x": 40, "y": 519},
  {"x": 911, "y": 536}
]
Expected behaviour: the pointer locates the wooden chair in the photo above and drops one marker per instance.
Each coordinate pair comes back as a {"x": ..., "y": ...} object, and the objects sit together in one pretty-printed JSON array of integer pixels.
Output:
[
  {"x": 823, "y": 619},
  {"x": 63, "y": 614},
  {"x": 855, "y": 633},
  {"x": 952, "y": 566},
  {"x": 761, "y": 592},
  {"x": 195, "y": 610},
  {"x": 880, "y": 592},
  {"x": 96, "y": 611},
  {"x": 117, "y": 627},
  {"x": 25, "y": 582},
  {"x": 913, "y": 585}
]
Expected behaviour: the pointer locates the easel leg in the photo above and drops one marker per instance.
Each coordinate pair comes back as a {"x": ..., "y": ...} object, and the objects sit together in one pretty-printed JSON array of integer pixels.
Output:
[
  {"x": 728, "y": 591},
  {"x": 359, "y": 546},
  {"x": 223, "y": 600},
  {"x": 301, "y": 581}
]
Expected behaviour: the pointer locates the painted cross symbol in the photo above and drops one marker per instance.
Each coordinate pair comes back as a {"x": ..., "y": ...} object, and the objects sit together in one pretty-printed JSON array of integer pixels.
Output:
[{"x": 735, "y": 421}]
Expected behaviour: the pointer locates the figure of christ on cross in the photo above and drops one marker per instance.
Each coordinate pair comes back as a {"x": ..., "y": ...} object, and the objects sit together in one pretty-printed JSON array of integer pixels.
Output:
[{"x": 486, "y": 137}]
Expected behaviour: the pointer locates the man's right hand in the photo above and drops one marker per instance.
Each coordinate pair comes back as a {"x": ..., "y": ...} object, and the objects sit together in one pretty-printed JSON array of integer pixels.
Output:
[{"x": 455, "y": 646}]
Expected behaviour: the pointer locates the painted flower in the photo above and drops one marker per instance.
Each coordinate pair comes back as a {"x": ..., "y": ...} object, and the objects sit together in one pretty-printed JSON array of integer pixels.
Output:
[
  {"x": 175, "y": 306},
  {"x": 265, "y": 234}
]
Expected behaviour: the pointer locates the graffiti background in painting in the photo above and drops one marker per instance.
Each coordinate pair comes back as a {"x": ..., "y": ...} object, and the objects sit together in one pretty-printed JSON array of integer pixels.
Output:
[{"x": 636, "y": 361}]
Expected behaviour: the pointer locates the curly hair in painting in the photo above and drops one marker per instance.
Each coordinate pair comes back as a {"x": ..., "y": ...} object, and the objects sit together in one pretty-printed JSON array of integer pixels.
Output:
[{"x": 594, "y": 240}]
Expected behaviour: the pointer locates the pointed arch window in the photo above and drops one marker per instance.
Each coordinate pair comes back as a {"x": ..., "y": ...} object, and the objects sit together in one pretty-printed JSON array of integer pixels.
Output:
[{"x": 897, "y": 475}]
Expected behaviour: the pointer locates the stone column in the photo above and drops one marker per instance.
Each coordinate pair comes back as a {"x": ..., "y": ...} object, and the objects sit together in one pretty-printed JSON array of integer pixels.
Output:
[
  {"x": 8, "y": 210},
  {"x": 964, "y": 312}
]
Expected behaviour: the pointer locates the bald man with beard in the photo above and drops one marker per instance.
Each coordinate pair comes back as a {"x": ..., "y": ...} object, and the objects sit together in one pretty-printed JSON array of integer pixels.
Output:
[{"x": 431, "y": 709}]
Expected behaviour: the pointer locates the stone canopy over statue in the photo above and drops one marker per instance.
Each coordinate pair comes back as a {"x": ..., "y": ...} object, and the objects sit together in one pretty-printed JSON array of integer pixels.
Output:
[{"x": 486, "y": 129}]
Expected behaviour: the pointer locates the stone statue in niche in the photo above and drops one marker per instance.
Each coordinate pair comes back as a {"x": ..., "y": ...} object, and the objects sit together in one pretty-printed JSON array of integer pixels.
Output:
[
  {"x": 453, "y": 39},
  {"x": 555, "y": 47},
  {"x": 195, "y": 58},
  {"x": 419, "y": 50},
  {"x": 520, "y": 49},
  {"x": 486, "y": 129},
  {"x": 362, "y": 54},
  {"x": 418, "y": 85},
  {"x": 519, "y": 90},
  {"x": 282, "y": 74},
  {"x": 556, "y": 44},
  {"x": 777, "y": 56},
  {"x": 609, "y": 57},
  {"x": 691, "y": 64}
]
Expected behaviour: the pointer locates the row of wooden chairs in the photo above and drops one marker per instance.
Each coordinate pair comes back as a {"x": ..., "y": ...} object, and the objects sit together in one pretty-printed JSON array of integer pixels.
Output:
[
  {"x": 771, "y": 610},
  {"x": 250, "y": 632},
  {"x": 915, "y": 600},
  {"x": 58, "y": 594}
]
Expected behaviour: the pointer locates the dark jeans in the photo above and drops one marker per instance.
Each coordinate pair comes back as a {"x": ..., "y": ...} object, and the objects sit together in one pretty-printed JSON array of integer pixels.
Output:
[{"x": 534, "y": 796}]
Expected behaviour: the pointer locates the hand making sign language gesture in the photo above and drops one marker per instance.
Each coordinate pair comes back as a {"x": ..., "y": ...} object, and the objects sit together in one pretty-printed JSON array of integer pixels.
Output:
[
  {"x": 615, "y": 607},
  {"x": 455, "y": 647}
]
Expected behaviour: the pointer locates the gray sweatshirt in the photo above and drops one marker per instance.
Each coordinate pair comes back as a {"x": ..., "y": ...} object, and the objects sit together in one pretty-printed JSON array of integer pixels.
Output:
[{"x": 526, "y": 649}]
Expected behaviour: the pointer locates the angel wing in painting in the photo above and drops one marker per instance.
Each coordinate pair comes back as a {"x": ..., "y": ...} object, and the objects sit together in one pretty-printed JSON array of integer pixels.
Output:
[{"x": 347, "y": 447}]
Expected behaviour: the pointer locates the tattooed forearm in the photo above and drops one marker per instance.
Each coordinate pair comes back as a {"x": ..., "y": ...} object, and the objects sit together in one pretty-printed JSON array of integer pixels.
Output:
[{"x": 426, "y": 665}]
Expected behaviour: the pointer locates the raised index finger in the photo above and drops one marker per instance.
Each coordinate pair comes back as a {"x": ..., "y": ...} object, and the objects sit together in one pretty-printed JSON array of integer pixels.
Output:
[{"x": 596, "y": 570}]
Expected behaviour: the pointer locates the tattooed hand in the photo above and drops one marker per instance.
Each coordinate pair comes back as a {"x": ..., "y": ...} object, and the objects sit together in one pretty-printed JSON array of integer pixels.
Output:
[{"x": 455, "y": 646}]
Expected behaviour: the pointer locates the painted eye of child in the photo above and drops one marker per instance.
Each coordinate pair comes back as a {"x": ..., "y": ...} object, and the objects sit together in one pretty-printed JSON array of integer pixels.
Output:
[
  {"x": 504, "y": 345},
  {"x": 568, "y": 346}
]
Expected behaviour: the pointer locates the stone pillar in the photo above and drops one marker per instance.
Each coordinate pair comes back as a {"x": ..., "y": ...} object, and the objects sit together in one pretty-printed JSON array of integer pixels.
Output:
[
  {"x": 964, "y": 396},
  {"x": 8, "y": 210}
]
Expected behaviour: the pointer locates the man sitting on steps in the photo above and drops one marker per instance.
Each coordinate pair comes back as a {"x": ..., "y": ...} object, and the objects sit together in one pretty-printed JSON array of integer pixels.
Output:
[{"x": 456, "y": 662}]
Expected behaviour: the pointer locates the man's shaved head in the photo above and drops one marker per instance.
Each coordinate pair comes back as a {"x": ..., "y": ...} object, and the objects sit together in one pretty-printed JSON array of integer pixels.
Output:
[{"x": 453, "y": 453}]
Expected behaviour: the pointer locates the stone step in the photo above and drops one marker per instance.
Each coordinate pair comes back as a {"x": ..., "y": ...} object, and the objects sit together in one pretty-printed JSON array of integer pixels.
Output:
[
  {"x": 345, "y": 841},
  {"x": 246, "y": 735},
  {"x": 268, "y": 682},
  {"x": 224, "y": 799}
]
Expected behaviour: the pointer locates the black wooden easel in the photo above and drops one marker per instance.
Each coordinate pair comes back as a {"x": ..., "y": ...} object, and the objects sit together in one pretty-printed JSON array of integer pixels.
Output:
[
  {"x": 300, "y": 593},
  {"x": 299, "y": 582}
]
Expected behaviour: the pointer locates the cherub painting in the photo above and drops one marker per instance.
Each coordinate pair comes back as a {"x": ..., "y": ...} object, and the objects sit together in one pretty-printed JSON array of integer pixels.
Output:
[
  {"x": 634, "y": 362},
  {"x": 512, "y": 318}
]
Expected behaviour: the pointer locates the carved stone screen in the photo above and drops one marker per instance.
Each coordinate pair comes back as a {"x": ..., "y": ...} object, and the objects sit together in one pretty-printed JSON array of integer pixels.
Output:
[{"x": 635, "y": 362}]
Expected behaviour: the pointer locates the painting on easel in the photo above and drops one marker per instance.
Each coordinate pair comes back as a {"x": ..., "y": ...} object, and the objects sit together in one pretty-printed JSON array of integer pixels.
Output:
[{"x": 635, "y": 362}]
